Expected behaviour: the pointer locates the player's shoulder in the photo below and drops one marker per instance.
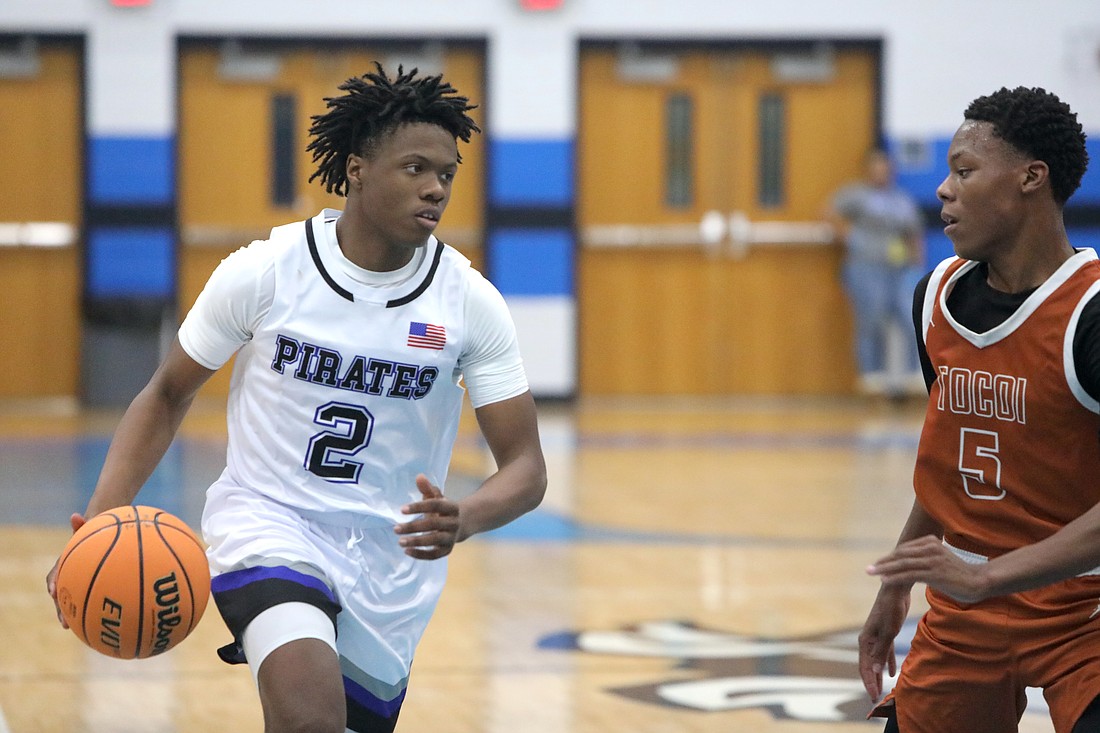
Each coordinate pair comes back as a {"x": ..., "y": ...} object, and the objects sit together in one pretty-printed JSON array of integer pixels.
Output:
[
  {"x": 252, "y": 263},
  {"x": 482, "y": 291},
  {"x": 255, "y": 257},
  {"x": 261, "y": 252},
  {"x": 448, "y": 254},
  {"x": 283, "y": 237},
  {"x": 294, "y": 234}
]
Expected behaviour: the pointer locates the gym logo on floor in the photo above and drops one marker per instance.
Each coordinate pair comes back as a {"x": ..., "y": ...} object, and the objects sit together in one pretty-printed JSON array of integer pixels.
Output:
[
  {"x": 810, "y": 679},
  {"x": 814, "y": 678}
]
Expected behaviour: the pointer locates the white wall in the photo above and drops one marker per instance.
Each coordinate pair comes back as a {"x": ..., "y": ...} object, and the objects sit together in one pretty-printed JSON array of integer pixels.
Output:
[{"x": 939, "y": 54}]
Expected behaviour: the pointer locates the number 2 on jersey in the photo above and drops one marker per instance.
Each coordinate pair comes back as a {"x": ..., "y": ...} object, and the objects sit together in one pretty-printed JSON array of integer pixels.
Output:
[
  {"x": 980, "y": 465},
  {"x": 329, "y": 451}
]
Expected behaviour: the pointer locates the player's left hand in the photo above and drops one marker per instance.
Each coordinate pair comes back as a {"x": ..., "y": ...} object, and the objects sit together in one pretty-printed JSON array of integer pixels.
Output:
[
  {"x": 926, "y": 560},
  {"x": 431, "y": 535}
]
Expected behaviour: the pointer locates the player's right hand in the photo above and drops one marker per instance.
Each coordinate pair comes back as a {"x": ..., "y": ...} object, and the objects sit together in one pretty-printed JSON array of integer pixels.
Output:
[
  {"x": 876, "y": 640},
  {"x": 76, "y": 521}
]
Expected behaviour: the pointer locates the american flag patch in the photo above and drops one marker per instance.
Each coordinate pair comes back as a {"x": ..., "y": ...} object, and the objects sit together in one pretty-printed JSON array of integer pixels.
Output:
[{"x": 427, "y": 336}]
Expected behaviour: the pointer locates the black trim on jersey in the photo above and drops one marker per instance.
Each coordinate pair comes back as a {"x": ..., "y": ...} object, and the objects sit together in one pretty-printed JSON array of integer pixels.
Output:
[
  {"x": 424, "y": 285},
  {"x": 926, "y": 367},
  {"x": 320, "y": 267},
  {"x": 316, "y": 255}
]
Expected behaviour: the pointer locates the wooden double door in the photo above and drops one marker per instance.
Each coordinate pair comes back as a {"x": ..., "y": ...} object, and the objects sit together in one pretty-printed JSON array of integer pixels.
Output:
[
  {"x": 704, "y": 265},
  {"x": 41, "y": 129}
]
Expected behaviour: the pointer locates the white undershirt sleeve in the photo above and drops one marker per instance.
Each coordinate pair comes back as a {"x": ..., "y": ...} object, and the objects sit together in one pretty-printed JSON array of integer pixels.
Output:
[
  {"x": 491, "y": 365},
  {"x": 236, "y": 298}
]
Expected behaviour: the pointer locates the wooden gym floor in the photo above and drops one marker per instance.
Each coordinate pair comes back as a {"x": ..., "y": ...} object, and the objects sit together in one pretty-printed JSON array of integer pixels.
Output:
[{"x": 697, "y": 566}]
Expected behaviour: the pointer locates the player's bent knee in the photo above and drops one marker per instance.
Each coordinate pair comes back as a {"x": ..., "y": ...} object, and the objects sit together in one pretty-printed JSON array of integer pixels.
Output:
[
  {"x": 301, "y": 689},
  {"x": 282, "y": 624},
  {"x": 291, "y": 649}
]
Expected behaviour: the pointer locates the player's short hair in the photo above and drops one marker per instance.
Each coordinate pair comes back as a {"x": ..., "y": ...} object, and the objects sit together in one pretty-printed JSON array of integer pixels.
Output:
[
  {"x": 372, "y": 108},
  {"x": 1038, "y": 124}
]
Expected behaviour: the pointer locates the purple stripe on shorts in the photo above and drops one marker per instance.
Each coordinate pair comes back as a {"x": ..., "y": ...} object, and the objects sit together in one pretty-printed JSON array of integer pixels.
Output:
[
  {"x": 361, "y": 696},
  {"x": 240, "y": 578}
]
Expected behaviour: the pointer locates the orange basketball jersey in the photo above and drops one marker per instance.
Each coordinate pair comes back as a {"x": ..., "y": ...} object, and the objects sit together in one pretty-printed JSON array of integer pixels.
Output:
[{"x": 1011, "y": 443}]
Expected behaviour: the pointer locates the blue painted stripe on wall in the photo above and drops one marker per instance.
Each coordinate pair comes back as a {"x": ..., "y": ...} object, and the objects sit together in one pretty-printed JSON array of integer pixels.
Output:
[
  {"x": 1089, "y": 193},
  {"x": 531, "y": 173},
  {"x": 531, "y": 261},
  {"x": 922, "y": 181},
  {"x": 131, "y": 261},
  {"x": 131, "y": 170},
  {"x": 1081, "y": 237},
  {"x": 937, "y": 247}
]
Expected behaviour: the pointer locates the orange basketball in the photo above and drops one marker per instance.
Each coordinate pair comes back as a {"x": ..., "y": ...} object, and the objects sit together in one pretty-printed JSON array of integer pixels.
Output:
[{"x": 133, "y": 582}]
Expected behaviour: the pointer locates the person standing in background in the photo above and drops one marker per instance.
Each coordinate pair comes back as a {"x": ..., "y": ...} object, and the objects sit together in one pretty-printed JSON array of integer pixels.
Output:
[{"x": 881, "y": 228}]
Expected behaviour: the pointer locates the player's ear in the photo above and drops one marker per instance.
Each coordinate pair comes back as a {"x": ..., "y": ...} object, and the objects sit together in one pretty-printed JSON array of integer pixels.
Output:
[
  {"x": 353, "y": 168},
  {"x": 1035, "y": 175}
]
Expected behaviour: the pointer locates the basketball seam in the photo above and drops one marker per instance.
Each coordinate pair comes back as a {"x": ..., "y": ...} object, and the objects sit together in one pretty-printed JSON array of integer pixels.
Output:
[
  {"x": 99, "y": 567},
  {"x": 141, "y": 584}
]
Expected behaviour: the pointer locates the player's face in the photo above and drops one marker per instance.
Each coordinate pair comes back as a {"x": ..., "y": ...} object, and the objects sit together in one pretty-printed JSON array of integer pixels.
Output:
[
  {"x": 406, "y": 184},
  {"x": 981, "y": 196}
]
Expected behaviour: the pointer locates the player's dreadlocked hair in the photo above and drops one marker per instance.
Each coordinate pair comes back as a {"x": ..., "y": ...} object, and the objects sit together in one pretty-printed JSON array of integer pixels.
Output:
[
  {"x": 1038, "y": 124},
  {"x": 373, "y": 107}
]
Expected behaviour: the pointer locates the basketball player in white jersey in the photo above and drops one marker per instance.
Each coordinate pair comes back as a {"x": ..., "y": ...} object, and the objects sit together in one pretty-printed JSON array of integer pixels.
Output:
[{"x": 329, "y": 527}]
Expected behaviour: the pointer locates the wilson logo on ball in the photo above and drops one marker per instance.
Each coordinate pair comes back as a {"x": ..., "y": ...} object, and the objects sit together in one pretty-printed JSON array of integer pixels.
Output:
[{"x": 168, "y": 616}]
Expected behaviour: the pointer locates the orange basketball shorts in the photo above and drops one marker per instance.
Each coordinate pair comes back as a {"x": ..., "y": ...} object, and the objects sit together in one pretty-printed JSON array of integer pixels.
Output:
[{"x": 969, "y": 665}]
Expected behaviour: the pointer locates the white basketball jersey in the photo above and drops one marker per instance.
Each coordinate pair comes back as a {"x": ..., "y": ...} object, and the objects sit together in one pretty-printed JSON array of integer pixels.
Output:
[{"x": 346, "y": 392}]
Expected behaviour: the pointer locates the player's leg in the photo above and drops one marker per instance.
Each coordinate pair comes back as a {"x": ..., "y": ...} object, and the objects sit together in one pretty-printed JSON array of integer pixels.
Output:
[
  {"x": 282, "y": 612},
  {"x": 958, "y": 677},
  {"x": 300, "y": 689},
  {"x": 1062, "y": 654},
  {"x": 291, "y": 648}
]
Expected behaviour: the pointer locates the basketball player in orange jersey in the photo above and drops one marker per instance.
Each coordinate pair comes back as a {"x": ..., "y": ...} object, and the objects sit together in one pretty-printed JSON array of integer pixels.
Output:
[
  {"x": 1005, "y": 528},
  {"x": 357, "y": 335}
]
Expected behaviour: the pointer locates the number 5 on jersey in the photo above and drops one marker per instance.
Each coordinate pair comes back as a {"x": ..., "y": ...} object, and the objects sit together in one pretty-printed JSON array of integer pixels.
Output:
[{"x": 980, "y": 465}]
